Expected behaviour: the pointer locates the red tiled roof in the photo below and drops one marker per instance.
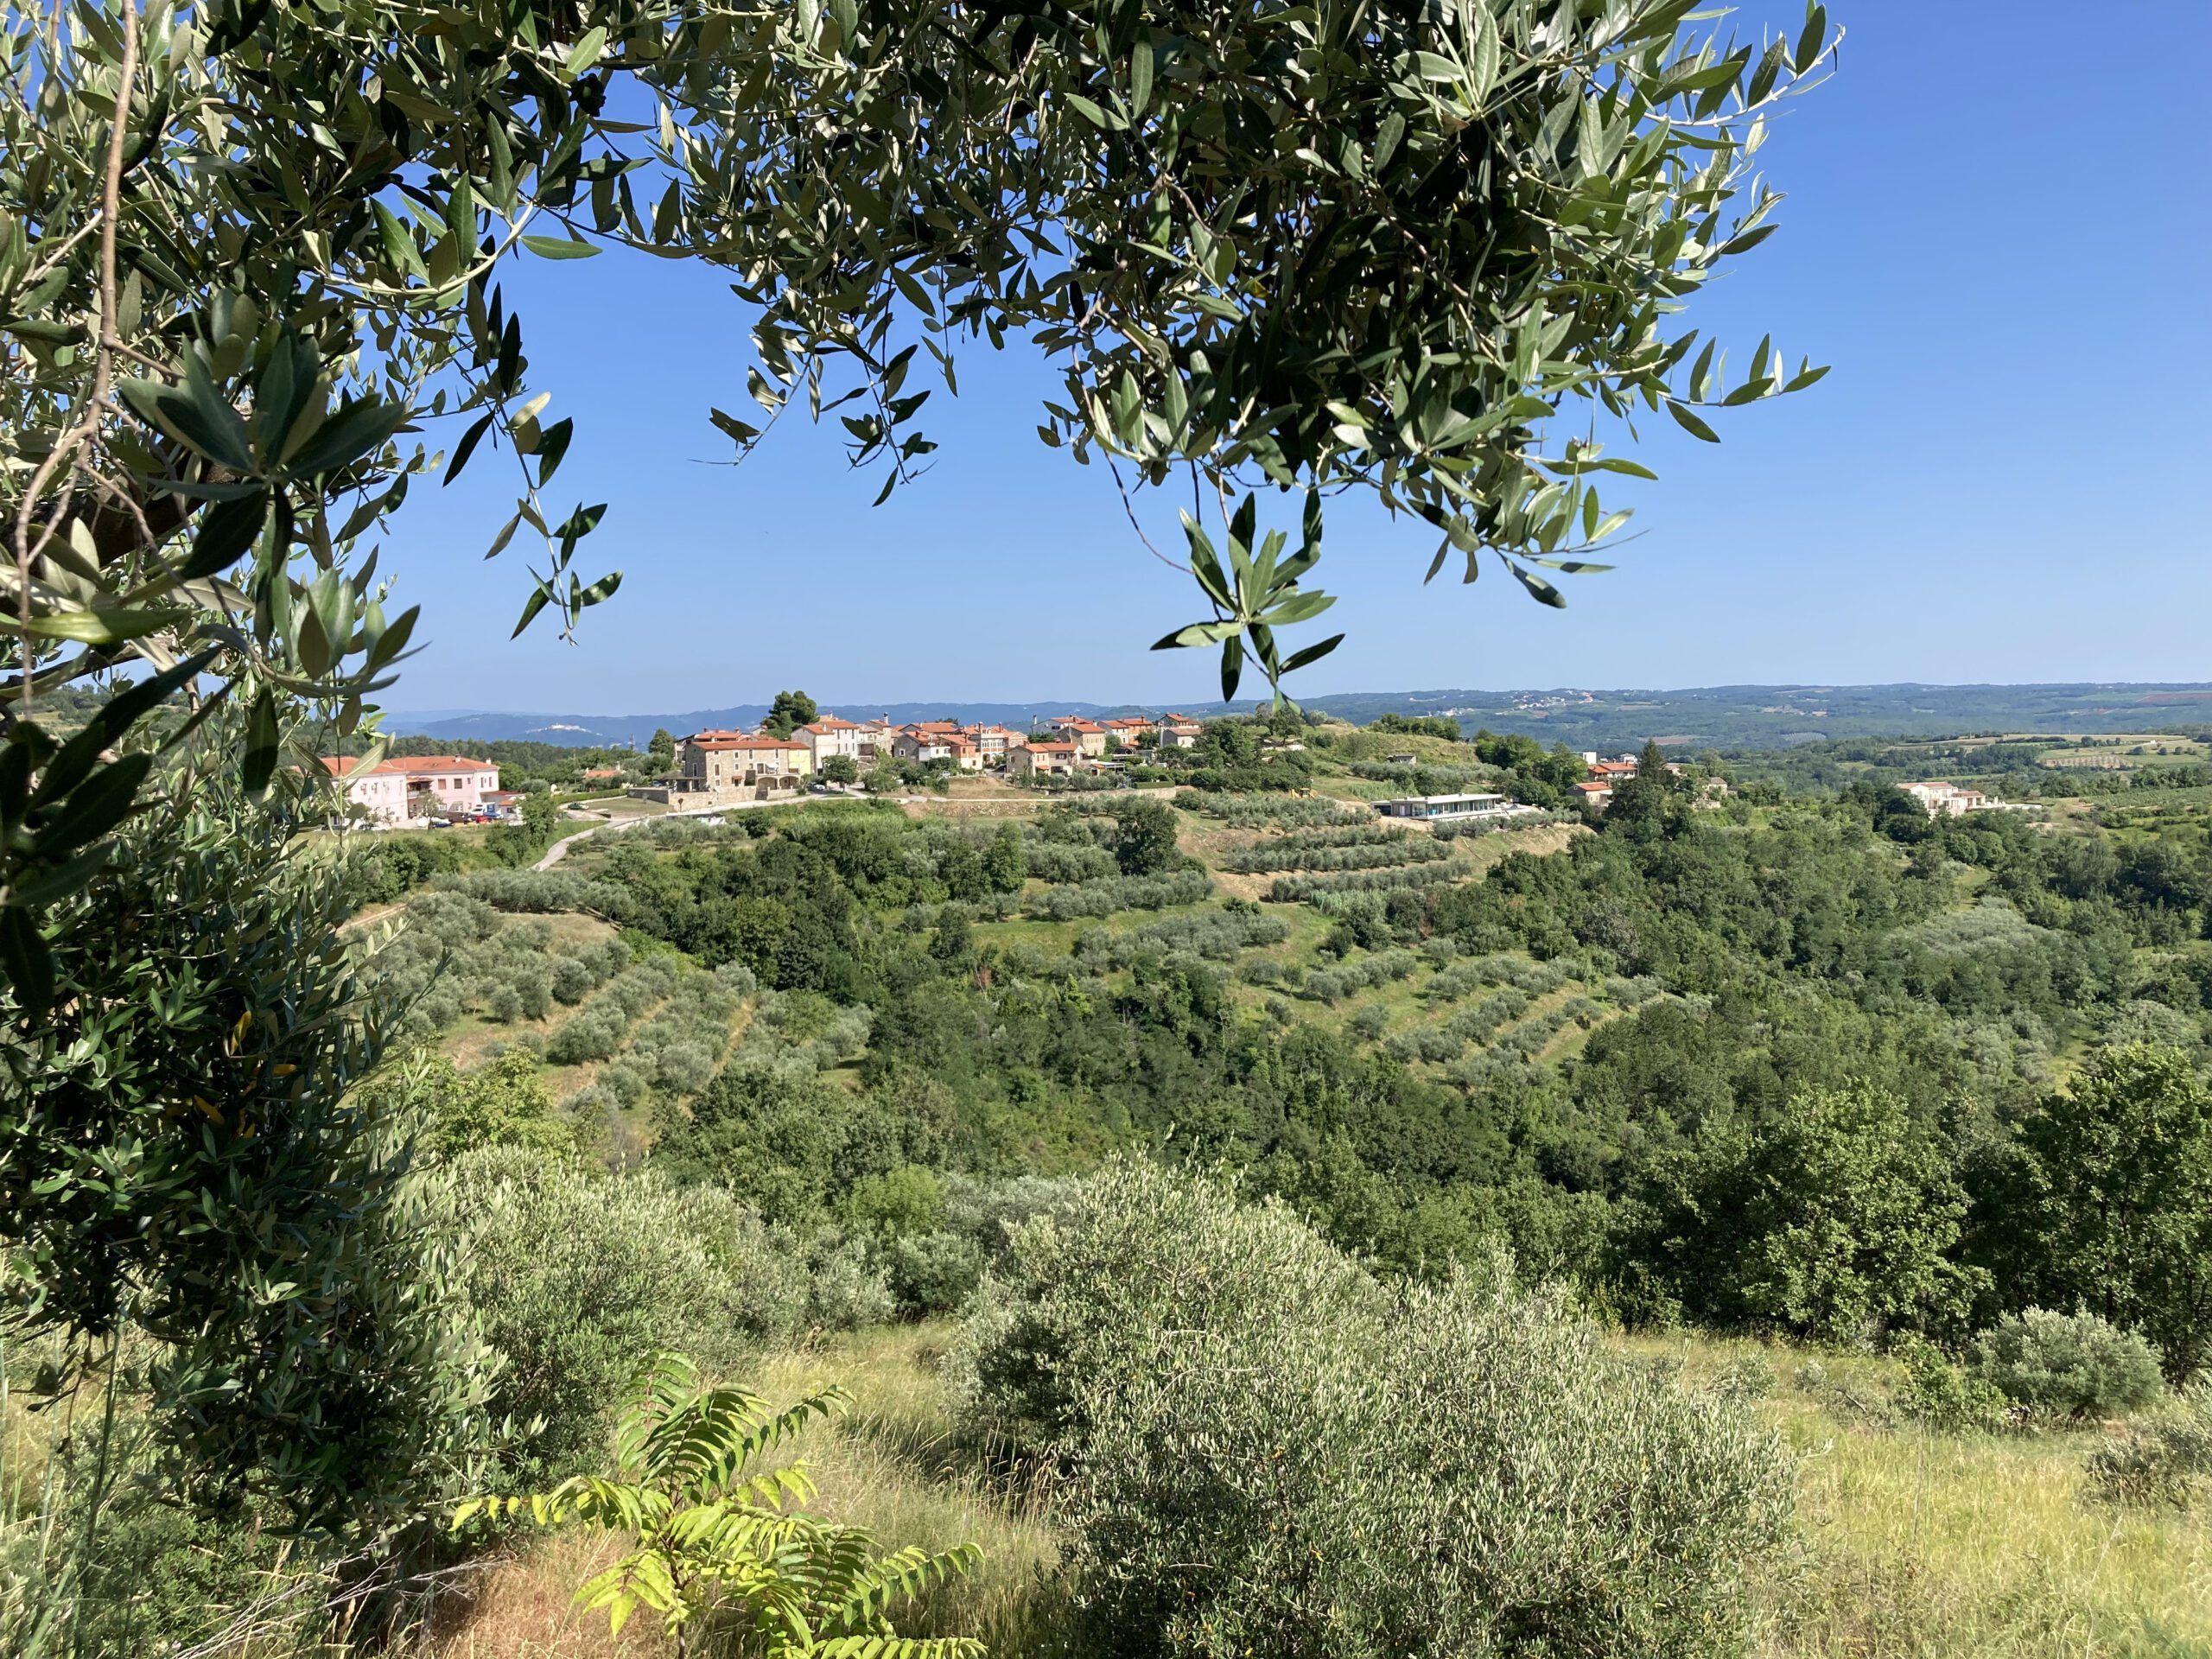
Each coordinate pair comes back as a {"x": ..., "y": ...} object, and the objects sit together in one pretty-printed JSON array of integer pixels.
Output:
[
  {"x": 829, "y": 723},
  {"x": 1051, "y": 748},
  {"x": 724, "y": 741}
]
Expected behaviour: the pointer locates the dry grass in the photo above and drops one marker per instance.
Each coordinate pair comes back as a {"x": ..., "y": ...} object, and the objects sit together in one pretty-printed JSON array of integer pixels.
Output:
[
  {"x": 1911, "y": 1545},
  {"x": 1924, "y": 1545},
  {"x": 1538, "y": 841},
  {"x": 522, "y": 1608},
  {"x": 892, "y": 1466},
  {"x": 889, "y": 1464},
  {"x": 978, "y": 798}
]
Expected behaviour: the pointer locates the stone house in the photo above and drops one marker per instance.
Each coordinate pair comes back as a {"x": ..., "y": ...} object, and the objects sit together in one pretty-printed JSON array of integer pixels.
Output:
[
  {"x": 1042, "y": 759},
  {"x": 993, "y": 743},
  {"x": 714, "y": 763},
  {"x": 921, "y": 744},
  {"x": 829, "y": 736},
  {"x": 1088, "y": 735}
]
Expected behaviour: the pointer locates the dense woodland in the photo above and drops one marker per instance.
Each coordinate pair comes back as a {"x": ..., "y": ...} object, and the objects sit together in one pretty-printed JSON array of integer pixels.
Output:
[
  {"x": 1832, "y": 1007},
  {"x": 1836, "y": 1069}
]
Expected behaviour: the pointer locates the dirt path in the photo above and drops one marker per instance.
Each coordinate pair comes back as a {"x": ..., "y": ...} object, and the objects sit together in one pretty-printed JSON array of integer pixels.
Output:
[{"x": 559, "y": 849}]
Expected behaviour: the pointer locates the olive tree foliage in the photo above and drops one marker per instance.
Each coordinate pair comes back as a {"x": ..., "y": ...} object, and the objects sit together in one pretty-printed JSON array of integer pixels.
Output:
[
  {"x": 250, "y": 261},
  {"x": 187, "y": 1179},
  {"x": 1259, "y": 1448}
]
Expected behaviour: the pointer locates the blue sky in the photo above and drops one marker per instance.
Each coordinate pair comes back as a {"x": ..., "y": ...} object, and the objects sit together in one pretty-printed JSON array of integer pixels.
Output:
[{"x": 1997, "y": 233}]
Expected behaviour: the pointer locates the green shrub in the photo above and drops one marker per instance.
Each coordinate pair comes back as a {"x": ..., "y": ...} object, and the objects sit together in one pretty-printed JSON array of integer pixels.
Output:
[
  {"x": 1290, "y": 889},
  {"x": 543, "y": 892},
  {"x": 1117, "y": 892},
  {"x": 503, "y": 1103},
  {"x": 907, "y": 1200},
  {"x": 1746, "y": 1377},
  {"x": 2165, "y": 1462},
  {"x": 933, "y": 1273},
  {"x": 1265, "y": 1451},
  {"x": 1250, "y": 811},
  {"x": 572, "y": 979},
  {"x": 2069, "y": 1365},
  {"x": 992, "y": 1213},
  {"x": 1215, "y": 935},
  {"x": 162, "y": 1580},
  {"x": 1944, "y": 1395},
  {"x": 845, "y": 1289},
  {"x": 573, "y": 1277},
  {"x": 1060, "y": 862},
  {"x": 1354, "y": 847}
]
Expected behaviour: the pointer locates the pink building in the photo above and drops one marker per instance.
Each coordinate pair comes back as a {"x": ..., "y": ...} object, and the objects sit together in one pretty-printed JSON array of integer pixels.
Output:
[{"x": 417, "y": 786}]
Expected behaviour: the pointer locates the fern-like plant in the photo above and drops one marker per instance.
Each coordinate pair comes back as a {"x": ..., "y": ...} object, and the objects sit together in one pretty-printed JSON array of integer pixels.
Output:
[{"x": 714, "y": 1528}]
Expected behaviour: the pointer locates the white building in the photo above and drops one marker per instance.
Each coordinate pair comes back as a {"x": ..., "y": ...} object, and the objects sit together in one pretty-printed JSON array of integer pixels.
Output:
[
  {"x": 1176, "y": 732},
  {"x": 830, "y": 735},
  {"x": 1451, "y": 808},
  {"x": 1942, "y": 799}
]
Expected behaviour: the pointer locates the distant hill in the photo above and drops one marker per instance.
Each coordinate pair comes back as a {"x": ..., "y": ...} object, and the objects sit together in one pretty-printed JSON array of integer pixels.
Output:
[
  {"x": 586, "y": 731},
  {"x": 1720, "y": 716}
]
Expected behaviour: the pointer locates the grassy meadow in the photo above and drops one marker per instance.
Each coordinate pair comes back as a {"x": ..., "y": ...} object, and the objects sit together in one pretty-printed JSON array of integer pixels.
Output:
[{"x": 1911, "y": 1541}]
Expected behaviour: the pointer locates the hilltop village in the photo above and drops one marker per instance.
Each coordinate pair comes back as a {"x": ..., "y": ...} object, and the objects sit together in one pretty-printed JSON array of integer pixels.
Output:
[
  {"x": 713, "y": 767},
  {"x": 1443, "y": 776}
]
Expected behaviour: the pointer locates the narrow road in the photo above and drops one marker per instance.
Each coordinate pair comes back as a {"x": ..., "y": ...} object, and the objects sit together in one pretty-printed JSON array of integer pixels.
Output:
[{"x": 559, "y": 849}]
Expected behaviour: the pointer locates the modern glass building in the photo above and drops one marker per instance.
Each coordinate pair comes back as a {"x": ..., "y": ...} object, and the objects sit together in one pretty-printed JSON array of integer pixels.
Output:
[{"x": 1446, "y": 806}]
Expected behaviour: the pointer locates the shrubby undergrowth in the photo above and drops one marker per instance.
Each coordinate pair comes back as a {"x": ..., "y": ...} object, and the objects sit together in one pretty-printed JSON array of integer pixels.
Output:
[
  {"x": 1291, "y": 889},
  {"x": 1265, "y": 1450},
  {"x": 1218, "y": 936},
  {"x": 1245, "y": 811},
  {"x": 2069, "y": 1365},
  {"x": 2165, "y": 1462},
  {"x": 1338, "y": 846},
  {"x": 1359, "y": 973},
  {"x": 572, "y": 1274},
  {"x": 1117, "y": 892},
  {"x": 545, "y": 892}
]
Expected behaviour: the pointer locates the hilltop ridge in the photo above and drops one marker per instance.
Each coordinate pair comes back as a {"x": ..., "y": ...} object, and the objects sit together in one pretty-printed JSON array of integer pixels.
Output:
[{"x": 1720, "y": 716}]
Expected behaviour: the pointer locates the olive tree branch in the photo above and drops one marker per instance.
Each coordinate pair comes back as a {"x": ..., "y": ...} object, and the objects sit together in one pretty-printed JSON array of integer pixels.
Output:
[{"x": 87, "y": 425}]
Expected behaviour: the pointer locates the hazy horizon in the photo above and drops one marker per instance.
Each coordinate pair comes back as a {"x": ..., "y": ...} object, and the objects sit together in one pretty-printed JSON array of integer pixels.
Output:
[{"x": 830, "y": 701}]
